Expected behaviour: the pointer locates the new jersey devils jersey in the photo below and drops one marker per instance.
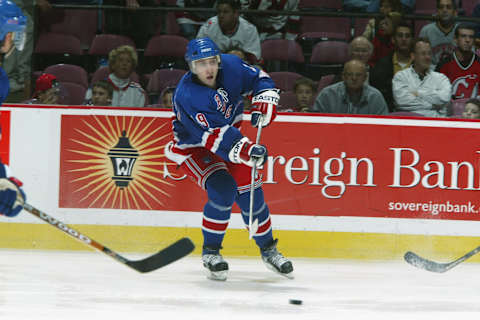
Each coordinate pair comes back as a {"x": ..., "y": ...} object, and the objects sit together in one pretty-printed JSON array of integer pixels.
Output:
[{"x": 464, "y": 79}]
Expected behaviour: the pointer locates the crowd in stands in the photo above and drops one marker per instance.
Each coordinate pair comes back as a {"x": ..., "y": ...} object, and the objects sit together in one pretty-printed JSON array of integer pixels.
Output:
[{"x": 131, "y": 57}]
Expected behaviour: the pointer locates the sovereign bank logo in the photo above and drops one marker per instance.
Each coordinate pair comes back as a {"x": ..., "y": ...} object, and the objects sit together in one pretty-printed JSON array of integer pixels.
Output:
[{"x": 113, "y": 162}]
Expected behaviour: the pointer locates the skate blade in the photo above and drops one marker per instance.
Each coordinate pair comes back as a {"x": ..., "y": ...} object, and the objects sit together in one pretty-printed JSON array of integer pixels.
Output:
[
  {"x": 286, "y": 275},
  {"x": 217, "y": 275}
]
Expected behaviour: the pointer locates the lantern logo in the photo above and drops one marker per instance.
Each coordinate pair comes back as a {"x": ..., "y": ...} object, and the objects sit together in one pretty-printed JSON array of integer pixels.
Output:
[{"x": 114, "y": 162}]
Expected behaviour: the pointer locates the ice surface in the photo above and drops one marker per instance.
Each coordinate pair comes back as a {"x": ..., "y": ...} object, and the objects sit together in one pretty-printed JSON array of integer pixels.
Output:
[{"x": 89, "y": 285}]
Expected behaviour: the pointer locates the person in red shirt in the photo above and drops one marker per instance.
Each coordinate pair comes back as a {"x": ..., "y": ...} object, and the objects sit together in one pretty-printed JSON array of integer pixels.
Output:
[{"x": 462, "y": 66}]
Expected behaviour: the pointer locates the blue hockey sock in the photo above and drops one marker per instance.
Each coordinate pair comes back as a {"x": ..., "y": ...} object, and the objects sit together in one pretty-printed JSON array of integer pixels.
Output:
[
  {"x": 221, "y": 189},
  {"x": 263, "y": 237}
]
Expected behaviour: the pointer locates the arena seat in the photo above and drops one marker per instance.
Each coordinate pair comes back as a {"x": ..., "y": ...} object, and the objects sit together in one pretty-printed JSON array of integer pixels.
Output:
[
  {"x": 329, "y": 5},
  {"x": 327, "y": 57},
  {"x": 458, "y": 106},
  {"x": 285, "y": 80},
  {"x": 282, "y": 55},
  {"x": 103, "y": 43},
  {"x": 69, "y": 73},
  {"x": 52, "y": 48},
  {"x": 288, "y": 100},
  {"x": 325, "y": 81},
  {"x": 73, "y": 94},
  {"x": 426, "y": 7},
  {"x": 163, "y": 78},
  {"x": 167, "y": 50}
]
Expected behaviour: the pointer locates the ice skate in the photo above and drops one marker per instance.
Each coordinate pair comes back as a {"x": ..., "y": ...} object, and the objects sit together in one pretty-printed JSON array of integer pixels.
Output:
[
  {"x": 275, "y": 261},
  {"x": 216, "y": 266}
]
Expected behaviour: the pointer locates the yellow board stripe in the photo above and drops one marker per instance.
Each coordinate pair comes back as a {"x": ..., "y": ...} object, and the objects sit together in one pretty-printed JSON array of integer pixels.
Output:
[{"x": 337, "y": 245}]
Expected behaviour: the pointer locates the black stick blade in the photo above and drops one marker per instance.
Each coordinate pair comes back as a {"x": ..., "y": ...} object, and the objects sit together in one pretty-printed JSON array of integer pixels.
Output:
[
  {"x": 422, "y": 263},
  {"x": 170, "y": 254}
]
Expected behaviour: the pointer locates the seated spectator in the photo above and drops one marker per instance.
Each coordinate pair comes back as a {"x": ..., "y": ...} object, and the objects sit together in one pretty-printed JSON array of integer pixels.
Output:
[
  {"x": 440, "y": 33},
  {"x": 356, "y": 5},
  {"x": 228, "y": 30},
  {"x": 418, "y": 88},
  {"x": 385, "y": 7},
  {"x": 462, "y": 66},
  {"x": 167, "y": 97},
  {"x": 382, "y": 42},
  {"x": 47, "y": 90},
  {"x": 102, "y": 93},
  {"x": 274, "y": 27},
  {"x": 122, "y": 61},
  {"x": 407, "y": 6},
  {"x": 189, "y": 22},
  {"x": 238, "y": 52},
  {"x": 304, "y": 89},
  {"x": 351, "y": 95},
  {"x": 472, "y": 109},
  {"x": 382, "y": 73}
]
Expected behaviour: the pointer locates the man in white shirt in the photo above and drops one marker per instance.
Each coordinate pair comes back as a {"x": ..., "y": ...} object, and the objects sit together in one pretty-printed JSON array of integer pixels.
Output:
[
  {"x": 230, "y": 31},
  {"x": 420, "y": 89}
]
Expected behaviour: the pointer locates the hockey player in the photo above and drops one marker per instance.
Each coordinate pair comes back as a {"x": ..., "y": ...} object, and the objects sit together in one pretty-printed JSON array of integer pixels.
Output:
[
  {"x": 12, "y": 34},
  {"x": 210, "y": 148},
  {"x": 12, "y": 26}
]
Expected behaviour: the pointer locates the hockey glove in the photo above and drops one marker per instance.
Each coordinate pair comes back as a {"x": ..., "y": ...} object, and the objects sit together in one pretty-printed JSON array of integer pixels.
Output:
[
  {"x": 246, "y": 152},
  {"x": 264, "y": 104},
  {"x": 12, "y": 197}
]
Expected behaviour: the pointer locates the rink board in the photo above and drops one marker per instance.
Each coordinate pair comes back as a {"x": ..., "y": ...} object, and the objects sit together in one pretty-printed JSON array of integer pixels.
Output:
[{"x": 337, "y": 186}]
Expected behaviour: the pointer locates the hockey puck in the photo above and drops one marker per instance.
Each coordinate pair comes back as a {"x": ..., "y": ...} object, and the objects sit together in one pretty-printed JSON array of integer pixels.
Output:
[{"x": 295, "y": 301}]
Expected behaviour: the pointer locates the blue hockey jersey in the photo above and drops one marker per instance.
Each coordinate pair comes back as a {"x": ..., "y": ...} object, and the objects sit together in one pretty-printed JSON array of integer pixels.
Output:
[
  {"x": 4, "y": 85},
  {"x": 209, "y": 118}
]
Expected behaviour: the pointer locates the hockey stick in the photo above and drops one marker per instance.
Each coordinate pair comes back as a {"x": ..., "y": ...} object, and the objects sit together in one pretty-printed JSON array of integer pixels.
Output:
[
  {"x": 422, "y": 263},
  {"x": 253, "y": 225},
  {"x": 172, "y": 253}
]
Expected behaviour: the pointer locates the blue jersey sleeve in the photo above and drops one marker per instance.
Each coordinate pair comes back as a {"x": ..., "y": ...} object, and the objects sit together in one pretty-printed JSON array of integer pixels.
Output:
[
  {"x": 4, "y": 85},
  {"x": 203, "y": 119}
]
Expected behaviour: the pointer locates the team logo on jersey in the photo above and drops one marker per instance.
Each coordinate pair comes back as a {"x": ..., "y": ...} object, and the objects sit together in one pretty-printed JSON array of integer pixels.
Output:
[
  {"x": 222, "y": 101},
  {"x": 113, "y": 162},
  {"x": 465, "y": 87}
]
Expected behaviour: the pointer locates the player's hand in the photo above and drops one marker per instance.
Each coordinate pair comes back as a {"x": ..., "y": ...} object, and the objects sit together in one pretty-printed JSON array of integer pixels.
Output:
[
  {"x": 12, "y": 198},
  {"x": 246, "y": 152},
  {"x": 264, "y": 108}
]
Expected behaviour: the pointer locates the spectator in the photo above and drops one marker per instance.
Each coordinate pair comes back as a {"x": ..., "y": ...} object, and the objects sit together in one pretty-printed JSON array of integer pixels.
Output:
[
  {"x": 418, "y": 88},
  {"x": 228, "y": 30},
  {"x": 382, "y": 73},
  {"x": 190, "y": 22},
  {"x": 122, "y": 61},
  {"x": 385, "y": 7},
  {"x": 238, "y": 52},
  {"x": 356, "y": 5},
  {"x": 462, "y": 67},
  {"x": 47, "y": 90},
  {"x": 274, "y": 27},
  {"x": 440, "y": 33},
  {"x": 407, "y": 6},
  {"x": 304, "y": 89},
  {"x": 351, "y": 95},
  {"x": 472, "y": 109},
  {"x": 17, "y": 64},
  {"x": 166, "y": 96},
  {"x": 360, "y": 49},
  {"x": 102, "y": 93},
  {"x": 383, "y": 42},
  {"x": 139, "y": 25}
]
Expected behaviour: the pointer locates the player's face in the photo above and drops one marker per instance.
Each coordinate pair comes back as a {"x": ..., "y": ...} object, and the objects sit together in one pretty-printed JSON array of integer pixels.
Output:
[
  {"x": 207, "y": 70},
  {"x": 403, "y": 39},
  {"x": 227, "y": 17},
  {"x": 422, "y": 55},
  {"x": 7, "y": 43},
  {"x": 100, "y": 97},
  {"x": 304, "y": 96},
  {"x": 472, "y": 111},
  {"x": 464, "y": 40},
  {"x": 123, "y": 66}
]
